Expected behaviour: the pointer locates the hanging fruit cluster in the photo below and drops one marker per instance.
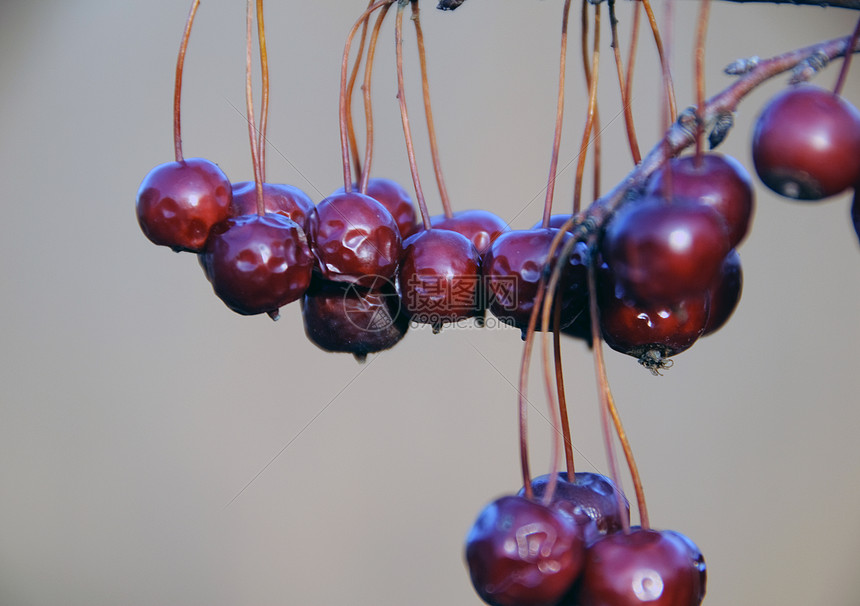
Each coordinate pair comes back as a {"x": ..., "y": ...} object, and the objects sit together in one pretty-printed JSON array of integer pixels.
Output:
[{"x": 647, "y": 268}]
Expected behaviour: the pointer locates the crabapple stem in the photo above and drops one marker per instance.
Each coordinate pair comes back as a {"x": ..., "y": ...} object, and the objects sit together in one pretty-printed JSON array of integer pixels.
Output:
[
  {"x": 664, "y": 62},
  {"x": 559, "y": 118},
  {"x": 843, "y": 72},
  {"x": 264, "y": 103},
  {"x": 342, "y": 109},
  {"x": 353, "y": 143},
  {"x": 591, "y": 78},
  {"x": 622, "y": 85},
  {"x": 603, "y": 388},
  {"x": 628, "y": 84},
  {"x": 368, "y": 104},
  {"x": 701, "y": 30},
  {"x": 249, "y": 104},
  {"x": 404, "y": 116},
  {"x": 559, "y": 386},
  {"x": 177, "y": 88},
  {"x": 428, "y": 112}
]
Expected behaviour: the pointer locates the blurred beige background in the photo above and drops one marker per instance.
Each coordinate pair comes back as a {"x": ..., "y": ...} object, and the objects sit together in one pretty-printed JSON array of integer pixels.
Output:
[{"x": 156, "y": 448}]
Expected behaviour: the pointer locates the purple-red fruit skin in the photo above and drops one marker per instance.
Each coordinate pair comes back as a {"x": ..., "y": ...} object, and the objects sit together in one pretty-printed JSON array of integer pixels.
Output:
[
  {"x": 715, "y": 180},
  {"x": 354, "y": 239},
  {"x": 590, "y": 494},
  {"x": 393, "y": 197},
  {"x": 258, "y": 263},
  {"x": 513, "y": 267},
  {"x": 480, "y": 226},
  {"x": 725, "y": 293},
  {"x": 665, "y": 252},
  {"x": 644, "y": 567},
  {"x": 521, "y": 553},
  {"x": 806, "y": 143},
  {"x": 287, "y": 200},
  {"x": 179, "y": 202},
  {"x": 636, "y": 328},
  {"x": 440, "y": 277},
  {"x": 351, "y": 319}
]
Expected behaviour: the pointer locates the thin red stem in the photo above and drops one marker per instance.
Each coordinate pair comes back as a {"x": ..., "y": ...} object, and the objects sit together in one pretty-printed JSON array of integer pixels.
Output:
[
  {"x": 590, "y": 116},
  {"x": 559, "y": 118},
  {"x": 344, "y": 94},
  {"x": 701, "y": 31},
  {"x": 559, "y": 386},
  {"x": 628, "y": 84},
  {"x": 843, "y": 72},
  {"x": 264, "y": 107},
  {"x": 602, "y": 390},
  {"x": 177, "y": 88},
  {"x": 622, "y": 86},
  {"x": 353, "y": 143},
  {"x": 404, "y": 116},
  {"x": 664, "y": 62},
  {"x": 428, "y": 112},
  {"x": 249, "y": 104},
  {"x": 368, "y": 102}
]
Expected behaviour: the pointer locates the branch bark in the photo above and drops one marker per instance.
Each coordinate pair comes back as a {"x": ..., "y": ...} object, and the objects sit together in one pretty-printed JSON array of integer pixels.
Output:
[{"x": 449, "y": 5}]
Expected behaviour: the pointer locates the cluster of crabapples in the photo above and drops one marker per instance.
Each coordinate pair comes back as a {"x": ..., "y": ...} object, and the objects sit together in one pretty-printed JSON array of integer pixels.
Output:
[{"x": 660, "y": 271}]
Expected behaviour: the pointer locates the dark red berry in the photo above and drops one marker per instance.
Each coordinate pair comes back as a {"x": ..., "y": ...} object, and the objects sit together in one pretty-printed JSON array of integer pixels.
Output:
[
  {"x": 725, "y": 294},
  {"x": 480, "y": 226},
  {"x": 718, "y": 181},
  {"x": 513, "y": 267},
  {"x": 440, "y": 277},
  {"x": 642, "y": 567},
  {"x": 664, "y": 252},
  {"x": 806, "y": 143},
  {"x": 521, "y": 553},
  {"x": 287, "y": 200},
  {"x": 354, "y": 239},
  {"x": 590, "y": 494},
  {"x": 649, "y": 332},
  {"x": 347, "y": 318},
  {"x": 258, "y": 263},
  {"x": 395, "y": 198},
  {"x": 179, "y": 202}
]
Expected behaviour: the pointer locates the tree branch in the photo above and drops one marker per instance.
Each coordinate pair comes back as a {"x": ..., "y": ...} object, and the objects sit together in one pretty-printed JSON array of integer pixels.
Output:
[
  {"x": 682, "y": 134},
  {"x": 851, "y": 4}
]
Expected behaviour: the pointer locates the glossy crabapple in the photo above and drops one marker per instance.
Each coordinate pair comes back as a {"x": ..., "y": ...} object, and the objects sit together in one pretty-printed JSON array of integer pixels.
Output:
[
  {"x": 591, "y": 494},
  {"x": 806, "y": 143},
  {"x": 480, "y": 226},
  {"x": 663, "y": 252},
  {"x": 715, "y": 180},
  {"x": 513, "y": 267},
  {"x": 347, "y": 318},
  {"x": 179, "y": 202},
  {"x": 354, "y": 239},
  {"x": 395, "y": 198},
  {"x": 650, "y": 332},
  {"x": 662, "y": 568},
  {"x": 440, "y": 277},
  {"x": 258, "y": 263},
  {"x": 287, "y": 200},
  {"x": 521, "y": 553}
]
